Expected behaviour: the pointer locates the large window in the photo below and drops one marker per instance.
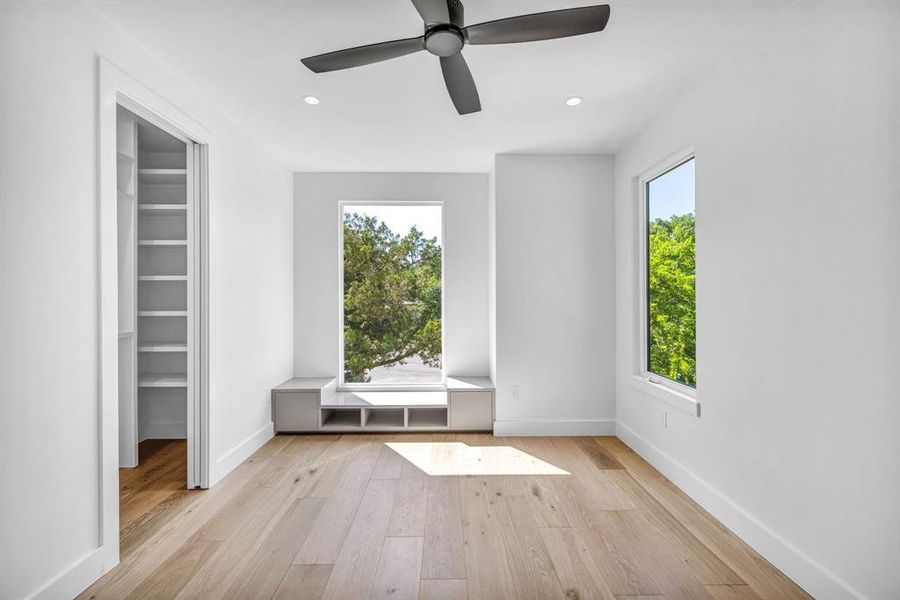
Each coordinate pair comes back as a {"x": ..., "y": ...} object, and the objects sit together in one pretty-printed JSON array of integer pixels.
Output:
[
  {"x": 392, "y": 292},
  {"x": 670, "y": 309}
]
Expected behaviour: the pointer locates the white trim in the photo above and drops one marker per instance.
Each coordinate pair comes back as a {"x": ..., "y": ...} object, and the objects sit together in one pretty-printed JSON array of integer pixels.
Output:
[
  {"x": 341, "y": 386},
  {"x": 679, "y": 391},
  {"x": 164, "y": 430},
  {"x": 807, "y": 573},
  {"x": 667, "y": 393},
  {"x": 117, "y": 88},
  {"x": 74, "y": 579},
  {"x": 560, "y": 427},
  {"x": 201, "y": 284},
  {"x": 234, "y": 457}
]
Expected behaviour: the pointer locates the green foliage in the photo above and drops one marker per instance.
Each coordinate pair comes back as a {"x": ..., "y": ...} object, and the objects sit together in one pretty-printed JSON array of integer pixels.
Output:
[
  {"x": 672, "y": 312},
  {"x": 392, "y": 297}
]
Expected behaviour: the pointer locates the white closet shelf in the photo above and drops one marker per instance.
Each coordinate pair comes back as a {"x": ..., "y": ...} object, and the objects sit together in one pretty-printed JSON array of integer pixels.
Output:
[
  {"x": 162, "y": 242},
  {"x": 162, "y": 278},
  {"x": 162, "y": 176},
  {"x": 162, "y": 313},
  {"x": 162, "y": 207},
  {"x": 163, "y": 347},
  {"x": 162, "y": 380}
]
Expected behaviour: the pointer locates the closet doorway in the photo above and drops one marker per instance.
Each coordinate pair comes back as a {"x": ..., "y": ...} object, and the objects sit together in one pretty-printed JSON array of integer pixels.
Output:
[{"x": 160, "y": 226}]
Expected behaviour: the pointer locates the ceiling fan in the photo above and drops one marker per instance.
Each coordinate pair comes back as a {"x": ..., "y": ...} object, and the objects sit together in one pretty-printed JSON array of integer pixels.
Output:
[{"x": 446, "y": 34}]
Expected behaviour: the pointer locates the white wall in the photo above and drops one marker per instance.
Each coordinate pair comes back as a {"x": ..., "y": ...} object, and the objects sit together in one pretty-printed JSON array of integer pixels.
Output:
[
  {"x": 798, "y": 289},
  {"x": 316, "y": 217},
  {"x": 555, "y": 300},
  {"x": 492, "y": 273},
  {"x": 49, "y": 284}
]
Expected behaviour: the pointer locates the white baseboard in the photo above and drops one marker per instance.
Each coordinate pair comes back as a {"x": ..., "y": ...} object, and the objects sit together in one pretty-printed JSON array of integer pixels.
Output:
[
  {"x": 74, "y": 580},
  {"x": 808, "y": 574},
  {"x": 164, "y": 431},
  {"x": 231, "y": 459},
  {"x": 536, "y": 427}
]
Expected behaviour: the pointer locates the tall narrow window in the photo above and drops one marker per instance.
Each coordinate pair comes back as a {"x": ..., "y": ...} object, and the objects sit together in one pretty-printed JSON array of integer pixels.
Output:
[
  {"x": 670, "y": 281},
  {"x": 392, "y": 294}
]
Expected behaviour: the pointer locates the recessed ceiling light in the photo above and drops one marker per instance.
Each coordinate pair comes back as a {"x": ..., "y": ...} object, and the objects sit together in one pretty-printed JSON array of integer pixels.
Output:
[
  {"x": 311, "y": 100},
  {"x": 573, "y": 101}
]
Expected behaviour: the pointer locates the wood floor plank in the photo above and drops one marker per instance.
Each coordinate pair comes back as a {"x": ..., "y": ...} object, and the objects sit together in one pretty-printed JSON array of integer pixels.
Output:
[
  {"x": 306, "y": 582},
  {"x": 326, "y": 476},
  {"x": 251, "y": 533},
  {"x": 221, "y": 526},
  {"x": 397, "y": 576},
  {"x": 174, "y": 573},
  {"x": 154, "y": 551},
  {"x": 356, "y": 564},
  {"x": 732, "y": 592},
  {"x": 261, "y": 577},
  {"x": 620, "y": 569},
  {"x": 706, "y": 567},
  {"x": 613, "y": 445},
  {"x": 543, "y": 498},
  {"x": 764, "y": 579},
  {"x": 444, "y": 557},
  {"x": 649, "y": 551},
  {"x": 488, "y": 570},
  {"x": 294, "y": 452},
  {"x": 443, "y": 589},
  {"x": 408, "y": 512},
  {"x": 389, "y": 464},
  {"x": 409, "y": 470},
  {"x": 598, "y": 454},
  {"x": 574, "y": 565},
  {"x": 142, "y": 527},
  {"x": 156, "y": 481},
  {"x": 163, "y": 458},
  {"x": 451, "y": 515},
  {"x": 324, "y": 542},
  {"x": 526, "y": 552}
]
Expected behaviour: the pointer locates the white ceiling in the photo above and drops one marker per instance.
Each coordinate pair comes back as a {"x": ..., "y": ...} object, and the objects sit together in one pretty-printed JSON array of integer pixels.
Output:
[{"x": 396, "y": 115}]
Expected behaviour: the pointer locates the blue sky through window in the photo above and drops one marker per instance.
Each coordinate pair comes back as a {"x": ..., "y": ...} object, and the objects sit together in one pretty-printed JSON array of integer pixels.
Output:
[{"x": 672, "y": 193}]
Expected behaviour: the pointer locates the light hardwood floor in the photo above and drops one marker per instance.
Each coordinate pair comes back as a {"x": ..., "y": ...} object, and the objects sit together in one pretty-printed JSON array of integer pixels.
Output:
[
  {"x": 147, "y": 493},
  {"x": 439, "y": 516}
]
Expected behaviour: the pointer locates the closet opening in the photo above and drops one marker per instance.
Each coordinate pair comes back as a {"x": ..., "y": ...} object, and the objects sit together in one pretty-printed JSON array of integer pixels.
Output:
[{"x": 160, "y": 228}]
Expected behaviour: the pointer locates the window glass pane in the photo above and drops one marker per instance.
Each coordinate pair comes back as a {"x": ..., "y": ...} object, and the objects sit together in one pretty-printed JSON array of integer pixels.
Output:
[
  {"x": 671, "y": 298},
  {"x": 392, "y": 294}
]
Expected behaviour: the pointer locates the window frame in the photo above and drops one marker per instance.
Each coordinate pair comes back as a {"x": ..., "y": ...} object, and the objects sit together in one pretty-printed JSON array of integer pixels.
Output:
[
  {"x": 341, "y": 384},
  {"x": 678, "y": 394}
]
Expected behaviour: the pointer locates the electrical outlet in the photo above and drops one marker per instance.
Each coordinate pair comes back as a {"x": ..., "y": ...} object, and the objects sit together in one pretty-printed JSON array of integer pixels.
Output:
[
  {"x": 665, "y": 419},
  {"x": 514, "y": 389}
]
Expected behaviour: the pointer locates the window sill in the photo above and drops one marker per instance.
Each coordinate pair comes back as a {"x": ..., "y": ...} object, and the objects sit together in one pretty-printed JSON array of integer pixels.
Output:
[
  {"x": 375, "y": 387},
  {"x": 685, "y": 402}
]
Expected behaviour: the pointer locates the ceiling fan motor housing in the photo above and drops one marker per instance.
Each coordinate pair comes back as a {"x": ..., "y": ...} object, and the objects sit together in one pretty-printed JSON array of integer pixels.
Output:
[{"x": 444, "y": 40}]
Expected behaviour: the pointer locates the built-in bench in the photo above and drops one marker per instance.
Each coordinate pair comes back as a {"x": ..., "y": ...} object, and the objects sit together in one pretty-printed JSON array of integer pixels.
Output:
[{"x": 315, "y": 404}]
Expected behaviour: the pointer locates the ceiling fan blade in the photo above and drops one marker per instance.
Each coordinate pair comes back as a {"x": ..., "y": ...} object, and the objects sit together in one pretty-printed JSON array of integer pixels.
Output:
[
  {"x": 460, "y": 84},
  {"x": 540, "y": 26},
  {"x": 363, "y": 55},
  {"x": 433, "y": 11}
]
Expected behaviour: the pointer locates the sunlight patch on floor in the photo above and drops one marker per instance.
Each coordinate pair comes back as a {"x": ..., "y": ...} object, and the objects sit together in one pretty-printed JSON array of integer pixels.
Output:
[{"x": 457, "y": 458}]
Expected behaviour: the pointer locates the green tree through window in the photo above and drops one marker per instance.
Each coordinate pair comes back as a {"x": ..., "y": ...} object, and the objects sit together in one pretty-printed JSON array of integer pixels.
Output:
[
  {"x": 392, "y": 297},
  {"x": 671, "y": 291}
]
